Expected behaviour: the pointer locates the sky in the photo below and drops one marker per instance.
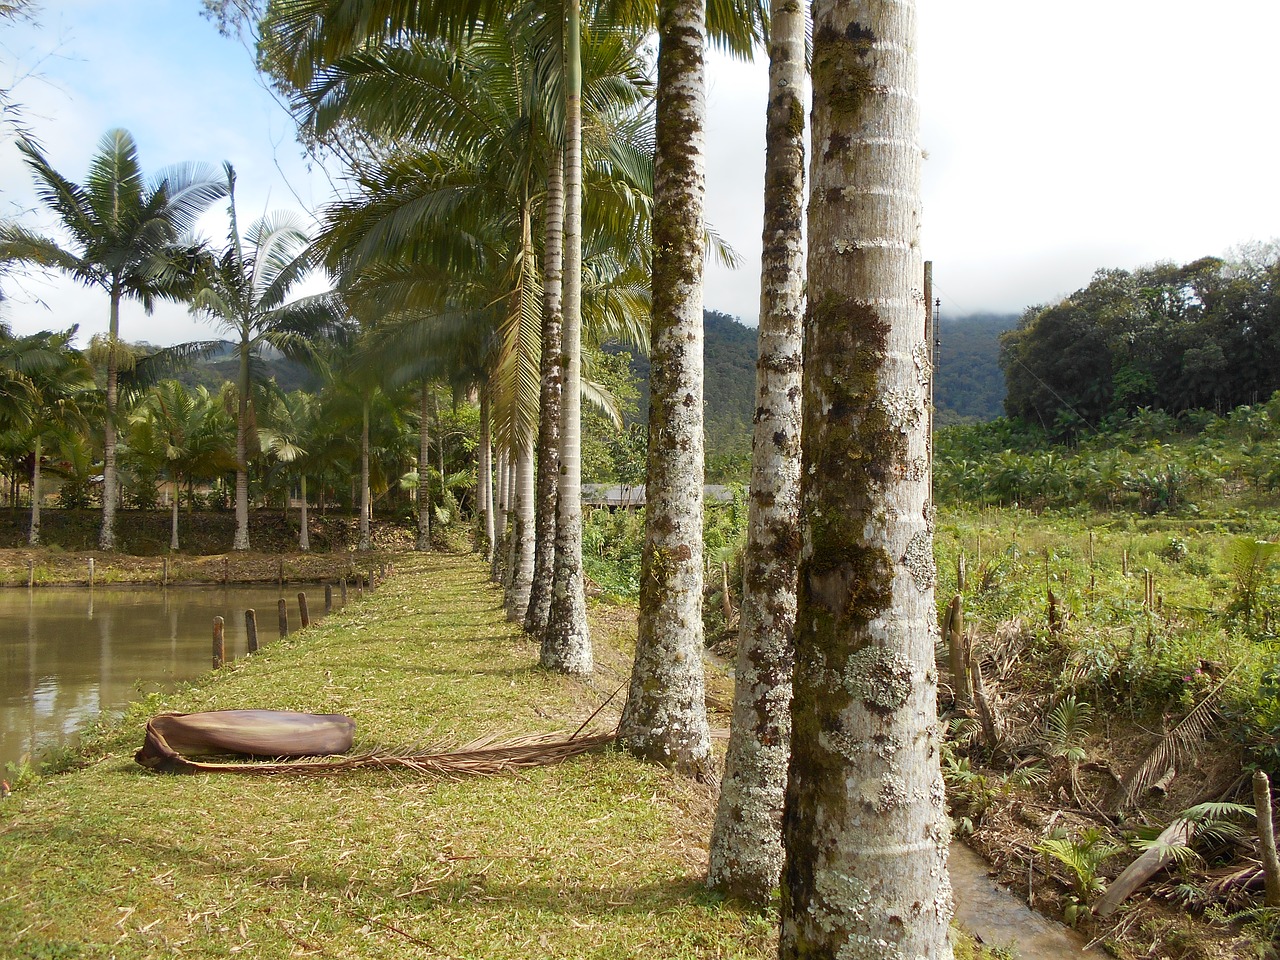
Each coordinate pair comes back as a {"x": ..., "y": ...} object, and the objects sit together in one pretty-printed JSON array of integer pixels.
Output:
[{"x": 1059, "y": 139}]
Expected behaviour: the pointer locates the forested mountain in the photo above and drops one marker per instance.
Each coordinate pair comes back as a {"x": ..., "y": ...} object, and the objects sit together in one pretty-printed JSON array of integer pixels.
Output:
[
  {"x": 223, "y": 367},
  {"x": 970, "y": 383},
  {"x": 1166, "y": 337}
]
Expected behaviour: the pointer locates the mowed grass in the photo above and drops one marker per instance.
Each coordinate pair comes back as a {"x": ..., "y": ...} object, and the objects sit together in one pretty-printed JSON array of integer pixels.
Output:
[{"x": 598, "y": 857}]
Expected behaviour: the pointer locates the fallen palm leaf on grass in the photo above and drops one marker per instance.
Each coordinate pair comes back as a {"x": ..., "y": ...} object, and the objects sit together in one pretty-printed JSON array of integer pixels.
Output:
[{"x": 268, "y": 733}]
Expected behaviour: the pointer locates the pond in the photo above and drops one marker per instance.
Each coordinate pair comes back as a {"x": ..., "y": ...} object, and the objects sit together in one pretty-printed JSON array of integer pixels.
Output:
[{"x": 68, "y": 654}]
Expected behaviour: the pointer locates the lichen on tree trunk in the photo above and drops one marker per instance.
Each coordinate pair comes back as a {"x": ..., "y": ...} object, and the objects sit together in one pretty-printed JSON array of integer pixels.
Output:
[
  {"x": 665, "y": 718},
  {"x": 551, "y": 386},
  {"x": 566, "y": 643},
  {"x": 865, "y": 827},
  {"x": 746, "y": 842}
]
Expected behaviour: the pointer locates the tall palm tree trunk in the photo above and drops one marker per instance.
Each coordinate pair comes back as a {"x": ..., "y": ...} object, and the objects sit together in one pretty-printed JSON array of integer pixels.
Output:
[
  {"x": 566, "y": 644},
  {"x": 522, "y": 532},
  {"x": 665, "y": 717},
  {"x": 365, "y": 505},
  {"x": 304, "y": 534},
  {"x": 424, "y": 472},
  {"x": 33, "y": 535},
  {"x": 746, "y": 841},
  {"x": 241, "y": 541},
  {"x": 539, "y": 611},
  {"x": 865, "y": 828},
  {"x": 173, "y": 518},
  {"x": 107, "y": 534},
  {"x": 486, "y": 475},
  {"x": 499, "y": 559}
]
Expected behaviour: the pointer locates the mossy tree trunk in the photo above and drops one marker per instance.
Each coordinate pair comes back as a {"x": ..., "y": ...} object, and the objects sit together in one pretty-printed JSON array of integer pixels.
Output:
[
  {"x": 746, "y": 841},
  {"x": 522, "y": 530},
  {"x": 566, "y": 644},
  {"x": 865, "y": 828},
  {"x": 552, "y": 375},
  {"x": 665, "y": 718}
]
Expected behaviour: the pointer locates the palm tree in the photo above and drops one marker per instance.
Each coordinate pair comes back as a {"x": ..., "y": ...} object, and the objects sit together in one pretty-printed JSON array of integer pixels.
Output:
[
  {"x": 183, "y": 434},
  {"x": 286, "y": 437},
  {"x": 865, "y": 829},
  {"x": 746, "y": 841},
  {"x": 665, "y": 718},
  {"x": 245, "y": 289},
  {"x": 57, "y": 383},
  {"x": 120, "y": 225}
]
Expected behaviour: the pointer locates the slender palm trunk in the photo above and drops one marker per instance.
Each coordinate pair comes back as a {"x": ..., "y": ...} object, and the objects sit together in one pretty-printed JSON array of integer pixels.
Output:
[
  {"x": 241, "y": 541},
  {"x": 865, "y": 828},
  {"x": 173, "y": 518},
  {"x": 33, "y": 536},
  {"x": 665, "y": 717},
  {"x": 498, "y": 561},
  {"x": 522, "y": 532},
  {"x": 539, "y": 611},
  {"x": 365, "y": 505},
  {"x": 424, "y": 472},
  {"x": 107, "y": 535},
  {"x": 566, "y": 644},
  {"x": 304, "y": 535},
  {"x": 486, "y": 474},
  {"x": 746, "y": 841}
]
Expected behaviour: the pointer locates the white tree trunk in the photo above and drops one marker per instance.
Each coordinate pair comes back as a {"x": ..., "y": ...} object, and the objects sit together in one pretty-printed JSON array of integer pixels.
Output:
[
  {"x": 746, "y": 841},
  {"x": 241, "y": 540},
  {"x": 566, "y": 644},
  {"x": 522, "y": 531},
  {"x": 33, "y": 535},
  {"x": 865, "y": 829},
  {"x": 304, "y": 534},
  {"x": 173, "y": 519},
  {"x": 107, "y": 534},
  {"x": 665, "y": 718},
  {"x": 499, "y": 559}
]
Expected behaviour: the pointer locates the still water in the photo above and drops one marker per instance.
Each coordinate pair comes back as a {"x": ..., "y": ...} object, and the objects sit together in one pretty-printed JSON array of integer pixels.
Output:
[{"x": 68, "y": 654}]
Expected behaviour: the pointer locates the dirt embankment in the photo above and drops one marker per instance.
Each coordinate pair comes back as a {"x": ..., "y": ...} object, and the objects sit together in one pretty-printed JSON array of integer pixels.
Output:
[{"x": 69, "y": 538}]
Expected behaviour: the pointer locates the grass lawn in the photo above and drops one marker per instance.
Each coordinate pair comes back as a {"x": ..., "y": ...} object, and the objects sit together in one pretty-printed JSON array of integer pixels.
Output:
[{"x": 598, "y": 857}]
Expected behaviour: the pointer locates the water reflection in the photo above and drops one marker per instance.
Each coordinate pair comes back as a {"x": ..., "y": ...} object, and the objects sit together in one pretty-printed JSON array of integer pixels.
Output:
[{"x": 70, "y": 653}]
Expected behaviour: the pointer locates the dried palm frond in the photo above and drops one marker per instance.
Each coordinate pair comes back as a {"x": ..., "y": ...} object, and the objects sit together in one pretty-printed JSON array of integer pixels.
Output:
[
  {"x": 487, "y": 756},
  {"x": 1175, "y": 749}
]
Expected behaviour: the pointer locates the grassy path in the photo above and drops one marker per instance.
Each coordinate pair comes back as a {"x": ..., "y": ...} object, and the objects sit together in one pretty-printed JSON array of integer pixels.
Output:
[{"x": 600, "y": 857}]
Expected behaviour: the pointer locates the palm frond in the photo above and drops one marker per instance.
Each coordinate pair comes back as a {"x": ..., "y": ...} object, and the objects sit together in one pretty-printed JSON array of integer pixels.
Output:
[{"x": 1180, "y": 745}]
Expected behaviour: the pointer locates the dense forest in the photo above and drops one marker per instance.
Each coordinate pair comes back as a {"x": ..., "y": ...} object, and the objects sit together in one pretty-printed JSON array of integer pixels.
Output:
[
  {"x": 1203, "y": 335},
  {"x": 970, "y": 384}
]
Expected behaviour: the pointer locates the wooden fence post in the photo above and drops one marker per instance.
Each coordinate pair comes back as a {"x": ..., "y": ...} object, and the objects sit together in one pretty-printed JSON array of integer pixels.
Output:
[
  {"x": 219, "y": 644},
  {"x": 31, "y": 573},
  {"x": 91, "y": 572},
  {"x": 251, "y": 629},
  {"x": 303, "y": 615},
  {"x": 164, "y": 573},
  {"x": 342, "y": 590},
  {"x": 284, "y": 618},
  {"x": 328, "y": 598},
  {"x": 1267, "y": 837}
]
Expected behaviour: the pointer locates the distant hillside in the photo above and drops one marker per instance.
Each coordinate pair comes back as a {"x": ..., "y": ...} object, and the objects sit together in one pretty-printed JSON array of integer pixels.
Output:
[
  {"x": 223, "y": 367},
  {"x": 729, "y": 389},
  {"x": 970, "y": 384}
]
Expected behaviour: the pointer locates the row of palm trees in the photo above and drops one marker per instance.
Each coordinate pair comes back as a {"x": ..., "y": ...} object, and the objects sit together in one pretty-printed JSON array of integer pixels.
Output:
[{"x": 520, "y": 185}]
